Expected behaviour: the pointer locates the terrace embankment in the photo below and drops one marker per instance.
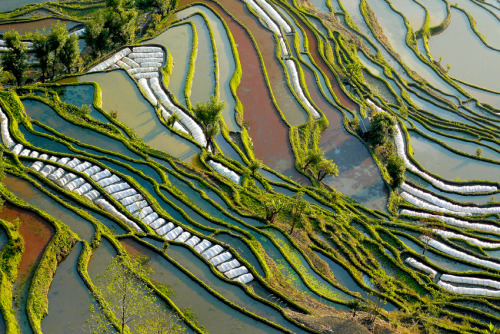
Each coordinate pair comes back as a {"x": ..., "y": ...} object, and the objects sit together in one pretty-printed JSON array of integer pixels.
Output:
[{"x": 268, "y": 131}]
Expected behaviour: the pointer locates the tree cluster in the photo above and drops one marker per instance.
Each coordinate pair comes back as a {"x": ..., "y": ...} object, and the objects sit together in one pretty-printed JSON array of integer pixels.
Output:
[
  {"x": 320, "y": 166},
  {"x": 161, "y": 6},
  {"x": 383, "y": 128},
  {"x": 111, "y": 28},
  {"x": 208, "y": 116},
  {"x": 55, "y": 51}
]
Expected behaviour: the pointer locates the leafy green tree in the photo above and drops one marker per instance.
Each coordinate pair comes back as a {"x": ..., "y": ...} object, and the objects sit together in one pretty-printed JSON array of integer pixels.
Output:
[
  {"x": 208, "y": 115},
  {"x": 110, "y": 28},
  {"x": 324, "y": 168},
  {"x": 396, "y": 168},
  {"x": 70, "y": 53},
  {"x": 355, "y": 305},
  {"x": 42, "y": 52},
  {"x": 479, "y": 152},
  {"x": 255, "y": 165},
  {"x": 273, "y": 207},
  {"x": 172, "y": 119},
  {"x": 162, "y": 6},
  {"x": 298, "y": 208},
  {"x": 56, "y": 39},
  {"x": 492, "y": 329},
  {"x": 313, "y": 157},
  {"x": 130, "y": 300},
  {"x": 15, "y": 60},
  {"x": 383, "y": 128}
]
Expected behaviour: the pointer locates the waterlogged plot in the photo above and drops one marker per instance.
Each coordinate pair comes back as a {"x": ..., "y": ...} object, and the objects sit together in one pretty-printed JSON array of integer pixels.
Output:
[{"x": 250, "y": 166}]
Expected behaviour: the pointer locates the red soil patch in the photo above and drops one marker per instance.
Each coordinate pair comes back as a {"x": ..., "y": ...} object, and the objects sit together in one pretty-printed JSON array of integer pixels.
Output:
[
  {"x": 268, "y": 131},
  {"x": 35, "y": 231}
]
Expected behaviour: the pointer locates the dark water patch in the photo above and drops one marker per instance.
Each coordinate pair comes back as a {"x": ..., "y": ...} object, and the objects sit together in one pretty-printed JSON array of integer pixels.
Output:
[
  {"x": 45, "y": 114},
  {"x": 68, "y": 314}
]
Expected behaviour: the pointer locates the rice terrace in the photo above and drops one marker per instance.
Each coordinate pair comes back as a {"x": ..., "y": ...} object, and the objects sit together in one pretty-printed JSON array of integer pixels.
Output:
[{"x": 250, "y": 166}]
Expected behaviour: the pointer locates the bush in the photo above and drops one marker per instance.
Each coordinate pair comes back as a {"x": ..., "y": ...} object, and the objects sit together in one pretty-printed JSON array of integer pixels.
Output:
[{"x": 396, "y": 169}]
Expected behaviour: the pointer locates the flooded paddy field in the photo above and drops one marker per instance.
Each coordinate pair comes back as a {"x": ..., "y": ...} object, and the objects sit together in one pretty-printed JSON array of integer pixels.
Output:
[{"x": 348, "y": 182}]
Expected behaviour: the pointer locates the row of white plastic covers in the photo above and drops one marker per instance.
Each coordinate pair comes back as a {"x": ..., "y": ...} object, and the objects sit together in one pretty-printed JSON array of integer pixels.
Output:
[
  {"x": 461, "y": 209},
  {"x": 419, "y": 265},
  {"x": 459, "y": 254},
  {"x": 401, "y": 150},
  {"x": 454, "y": 221}
]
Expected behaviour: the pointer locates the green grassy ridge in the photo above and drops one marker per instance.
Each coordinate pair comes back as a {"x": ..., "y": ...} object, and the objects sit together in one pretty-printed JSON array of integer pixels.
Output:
[
  {"x": 465, "y": 139},
  {"x": 409, "y": 155},
  {"x": 10, "y": 257}
]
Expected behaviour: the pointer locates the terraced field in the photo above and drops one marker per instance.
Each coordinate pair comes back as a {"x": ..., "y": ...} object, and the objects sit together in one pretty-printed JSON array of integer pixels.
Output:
[{"x": 136, "y": 173}]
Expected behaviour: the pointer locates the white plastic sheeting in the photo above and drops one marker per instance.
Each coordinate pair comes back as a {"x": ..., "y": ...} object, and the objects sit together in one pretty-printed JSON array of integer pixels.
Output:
[
  {"x": 131, "y": 199},
  {"x": 146, "y": 55},
  {"x": 64, "y": 161},
  {"x": 34, "y": 154},
  {"x": 459, "y": 254},
  {"x": 202, "y": 246},
  {"x": 86, "y": 187},
  {"x": 418, "y": 265},
  {"x": 144, "y": 212},
  {"x": 471, "y": 281},
  {"x": 25, "y": 152},
  {"x": 92, "y": 170},
  {"x": 228, "y": 265},
  {"x": 130, "y": 62},
  {"x": 78, "y": 32},
  {"x": 17, "y": 149},
  {"x": 92, "y": 195},
  {"x": 274, "y": 15},
  {"x": 124, "y": 193},
  {"x": 106, "y": 206},
  {"x": 116, "y": 187},
  {"x": 224, "y": 171},
  {"x": 140, "y": 61},
  {"x": 223, "y": 257},
  {"x": 74, "y": 184},
  {"x": 174, "y": 233},
  {"x": 157, "y": 223},
  {"x": 212, "y": 251},
  {"x": 147, "y": 49},
  {"x": 448, "y": 205},
  {"x": 146, "y": 75},
  {"x": 53, "y": 158},
  {"x": 6, "y": 138},
  {"x": 473, "y": 241},
  {"x": 165, "y": 229},
  {"x": 246, "y": 278},
  {"x": 123, "y": 65},
  {"x": 454, "y": 222},
  {"x": 233, "y": 273},
  {"x": 150, "y": 218},
  {"x": 43, "y": 156},
  {"x": 66, "y": 179},
  {"x": 194, "y": 240},
  {"x": 263, "y": 15},
  {"x": 108, "y": 62},
  {"x": 183, "y": 237},
  {"x": 468, "y": 291},
  {"x": 36, "y": 166},
  {"x": 462, "y": 189},
  {"x": 57, "y": 174},
  {"x": 109, "y": 180},
  {"x": 71, "y": 164},
  {"x": 47, "y": 170},
  {"x": 83, "y": 166},
  {"x": 422, "y": 204},
  {"x": 294, "y": 76},
  {"x": 101, "y": 175},
  {"x": 143, "y": 83},
  {"x": 190, "y": 124},
  {"x": 136, "y": 206}
]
